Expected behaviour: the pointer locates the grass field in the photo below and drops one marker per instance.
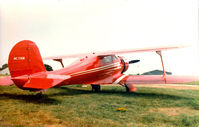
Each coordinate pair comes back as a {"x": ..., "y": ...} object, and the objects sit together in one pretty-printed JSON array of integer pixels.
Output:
[
  {"x": 75, "y": 106},
  {"x": 194, "y": 83}
]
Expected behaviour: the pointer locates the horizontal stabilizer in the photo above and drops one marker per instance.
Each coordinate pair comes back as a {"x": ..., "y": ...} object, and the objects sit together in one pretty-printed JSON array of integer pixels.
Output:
[
  {"x": 41, "y": 82},
  {"x": 6, "y": 81}
]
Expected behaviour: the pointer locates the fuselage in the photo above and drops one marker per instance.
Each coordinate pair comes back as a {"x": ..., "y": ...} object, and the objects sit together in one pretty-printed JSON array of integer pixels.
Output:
[
  {"x": 92, "y": 70},
  {"x": 28, "y": 71}
]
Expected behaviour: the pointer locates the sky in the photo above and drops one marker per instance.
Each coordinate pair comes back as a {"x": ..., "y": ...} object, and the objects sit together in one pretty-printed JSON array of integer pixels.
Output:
[{"x": 67, "y": 27}]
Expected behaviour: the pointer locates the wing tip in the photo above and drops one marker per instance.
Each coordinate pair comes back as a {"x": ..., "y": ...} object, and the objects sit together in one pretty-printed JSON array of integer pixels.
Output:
[{"x": 6, "y": 81}]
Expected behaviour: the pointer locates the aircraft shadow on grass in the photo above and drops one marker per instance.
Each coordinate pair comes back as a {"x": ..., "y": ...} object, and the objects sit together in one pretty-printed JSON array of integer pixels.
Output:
[
  {"x": 48, "y": 98},
  {"x": 30, "y": 98},
  {"x": 68, "y": 91}
]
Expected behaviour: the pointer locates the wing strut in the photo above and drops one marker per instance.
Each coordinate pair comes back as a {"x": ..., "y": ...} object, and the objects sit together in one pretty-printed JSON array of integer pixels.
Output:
[
  {"x": 59, "y": 60},
  {"x": 164, "y": 74}
]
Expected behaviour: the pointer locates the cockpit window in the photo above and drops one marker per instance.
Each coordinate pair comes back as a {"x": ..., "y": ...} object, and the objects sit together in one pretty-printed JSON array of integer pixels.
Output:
[
  {"x": 114, "y": 58},
  {"x": 108, "y": 59}
]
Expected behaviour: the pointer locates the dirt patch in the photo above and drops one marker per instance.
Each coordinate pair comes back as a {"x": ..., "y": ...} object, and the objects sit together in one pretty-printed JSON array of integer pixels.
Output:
[
  {"x": 5, "y": 124},
  {"x": 173, "y": 111},
  {"x": 54, "y": 125},
  {"x": 171, "y": 86},
  {"x": 34, "y": 118}
]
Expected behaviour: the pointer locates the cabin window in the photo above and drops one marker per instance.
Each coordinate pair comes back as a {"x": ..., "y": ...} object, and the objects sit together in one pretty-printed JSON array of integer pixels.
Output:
[
  {"x": 114, "y": 58},
  {"x": 108, "y": 59}
]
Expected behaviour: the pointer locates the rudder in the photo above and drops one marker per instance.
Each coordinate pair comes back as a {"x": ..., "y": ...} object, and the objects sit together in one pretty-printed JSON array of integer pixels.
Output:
[{"x": 25, "y": 59}]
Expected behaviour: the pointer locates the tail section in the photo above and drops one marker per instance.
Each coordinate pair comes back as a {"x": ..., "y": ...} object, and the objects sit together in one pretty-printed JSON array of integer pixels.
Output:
[
  {"x": 27, "y": 69},
  {"x": 45, "y": 81},
  {"x": 25, "y": 59}
]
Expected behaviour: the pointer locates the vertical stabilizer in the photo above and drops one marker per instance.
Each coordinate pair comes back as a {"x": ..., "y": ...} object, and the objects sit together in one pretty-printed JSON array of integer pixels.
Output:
[{"x": 25, "y": 59}]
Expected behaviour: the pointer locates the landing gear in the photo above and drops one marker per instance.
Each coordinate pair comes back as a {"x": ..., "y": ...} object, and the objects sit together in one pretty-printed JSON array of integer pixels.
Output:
[
  {"x": 130, "y": 88},
  {"x": 127, "y": 88},
  {"x": 39, "y": 95},
  {"x": 95, "y": 88}
]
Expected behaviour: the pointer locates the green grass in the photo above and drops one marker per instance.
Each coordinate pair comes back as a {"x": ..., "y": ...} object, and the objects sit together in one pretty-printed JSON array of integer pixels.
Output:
[
  {"x": 74, "y": 106},
  {"x": 193, "y": 83}
]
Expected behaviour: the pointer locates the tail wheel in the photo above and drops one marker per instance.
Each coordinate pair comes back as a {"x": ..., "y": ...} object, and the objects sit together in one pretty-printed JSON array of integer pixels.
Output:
[
  {"x": 95, "y": 88},
  {"x": 39, "y": 95}
]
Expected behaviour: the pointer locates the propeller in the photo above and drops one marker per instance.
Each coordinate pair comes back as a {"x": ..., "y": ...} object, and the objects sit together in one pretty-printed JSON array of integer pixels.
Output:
[{"x": 133, "y": 61}]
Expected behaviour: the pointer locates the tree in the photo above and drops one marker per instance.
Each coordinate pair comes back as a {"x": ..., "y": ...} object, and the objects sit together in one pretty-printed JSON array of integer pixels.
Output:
[
  {"x": 48, "y": 67},
  {"x": 4, "y": 66}
]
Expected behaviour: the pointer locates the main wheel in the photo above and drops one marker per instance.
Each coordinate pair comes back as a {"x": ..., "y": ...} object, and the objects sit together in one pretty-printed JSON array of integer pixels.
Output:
[
  {"x": 95, "y": 88},
  {"x": 127, "y": 88}
]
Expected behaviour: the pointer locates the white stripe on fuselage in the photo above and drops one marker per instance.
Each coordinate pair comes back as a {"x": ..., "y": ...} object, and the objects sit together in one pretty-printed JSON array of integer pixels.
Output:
[{"x": 115, "y": 65}]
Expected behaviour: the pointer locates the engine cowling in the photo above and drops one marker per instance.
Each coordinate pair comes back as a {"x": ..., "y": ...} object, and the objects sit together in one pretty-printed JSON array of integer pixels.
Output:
[{"x": 125, "y": 64}]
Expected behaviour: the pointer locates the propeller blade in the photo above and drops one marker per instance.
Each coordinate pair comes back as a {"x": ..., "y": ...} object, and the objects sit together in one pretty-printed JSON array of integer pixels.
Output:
[{"x": 133, "y": 61}]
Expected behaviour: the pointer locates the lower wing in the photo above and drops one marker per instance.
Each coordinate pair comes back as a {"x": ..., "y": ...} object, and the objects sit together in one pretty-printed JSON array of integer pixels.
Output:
[
  {"x": 6, "y": 81},
  {"x": 157, "y": 79}
]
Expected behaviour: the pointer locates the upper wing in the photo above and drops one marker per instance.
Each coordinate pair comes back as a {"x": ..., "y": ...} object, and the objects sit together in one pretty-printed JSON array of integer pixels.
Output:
[
  {"x": 157, "y": 79},
  {"x": 111, "y": 52},
  {"x": 6, "y": 81}
]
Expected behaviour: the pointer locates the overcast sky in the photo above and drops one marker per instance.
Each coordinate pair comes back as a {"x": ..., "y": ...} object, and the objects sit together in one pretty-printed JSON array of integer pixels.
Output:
[{"x": 74, "y": 26}]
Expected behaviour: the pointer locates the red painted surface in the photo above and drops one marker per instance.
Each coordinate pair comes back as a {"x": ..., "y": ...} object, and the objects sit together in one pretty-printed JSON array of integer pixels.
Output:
[
  {"x": 28, "y": 72},
  {"x": 24, "y": 60},
  {"x": 6, "y": 81},
  {"x": 158, "y": 79}
]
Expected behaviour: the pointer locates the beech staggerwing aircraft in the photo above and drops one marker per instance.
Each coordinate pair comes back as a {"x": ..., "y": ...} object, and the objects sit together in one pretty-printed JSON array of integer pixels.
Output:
[{"x": 27, "y": 70}]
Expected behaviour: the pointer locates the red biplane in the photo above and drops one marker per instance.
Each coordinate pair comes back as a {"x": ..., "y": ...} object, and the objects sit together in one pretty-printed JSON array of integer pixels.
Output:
[{"x": 28, "y": 71}]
